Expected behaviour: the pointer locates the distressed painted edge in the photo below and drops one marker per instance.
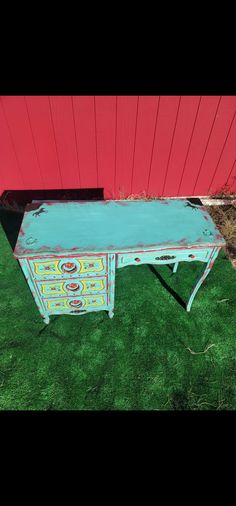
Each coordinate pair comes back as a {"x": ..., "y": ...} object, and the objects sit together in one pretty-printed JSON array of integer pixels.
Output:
[{"x": 79, "y": 253}]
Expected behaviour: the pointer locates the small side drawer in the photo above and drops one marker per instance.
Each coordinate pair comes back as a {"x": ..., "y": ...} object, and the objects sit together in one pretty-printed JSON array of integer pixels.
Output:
[
  {"x": 73, "y": 304},
  {"x": 162, "y": 257},
  {"x": 72, "y": 287},
  {"x": 68, "y": 267}
]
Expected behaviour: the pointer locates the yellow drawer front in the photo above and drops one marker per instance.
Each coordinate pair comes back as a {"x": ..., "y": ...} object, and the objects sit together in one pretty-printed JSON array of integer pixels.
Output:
[
  {"x": 65, "y": 304},
  {"x": 72, "y": 287},
  {"x": 54, "y": 268},
  {"x": 94, "y": 265}
]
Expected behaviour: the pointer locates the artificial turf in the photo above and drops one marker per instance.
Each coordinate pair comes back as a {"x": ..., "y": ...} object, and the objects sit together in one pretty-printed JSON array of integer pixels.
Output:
[{"x": 152, "y": 355}]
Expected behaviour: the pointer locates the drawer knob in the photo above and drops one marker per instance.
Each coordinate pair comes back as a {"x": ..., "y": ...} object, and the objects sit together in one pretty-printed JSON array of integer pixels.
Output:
[
  {"x": 75, "y": 303},
  {"x": 137, "y": 260},
  {"x": 72, "y": 286},
  {"x": 69, "y": 267},
  {"x": 191, "y": 256}
]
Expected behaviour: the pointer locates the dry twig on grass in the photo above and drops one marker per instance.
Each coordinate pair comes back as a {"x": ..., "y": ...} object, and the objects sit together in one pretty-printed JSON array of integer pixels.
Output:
[{"x": 200, "y": 352}]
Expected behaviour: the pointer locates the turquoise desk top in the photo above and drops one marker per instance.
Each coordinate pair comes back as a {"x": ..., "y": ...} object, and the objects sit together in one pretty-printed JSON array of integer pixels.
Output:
[{"x": 82, "y": 226}]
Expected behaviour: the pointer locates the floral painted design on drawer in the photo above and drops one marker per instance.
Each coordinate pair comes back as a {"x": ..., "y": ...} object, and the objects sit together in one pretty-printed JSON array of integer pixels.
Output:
[
  {"x": 68, "y": 267},
  {"x": 71, "y": 287},
  {"x": 65, "y": 304}
]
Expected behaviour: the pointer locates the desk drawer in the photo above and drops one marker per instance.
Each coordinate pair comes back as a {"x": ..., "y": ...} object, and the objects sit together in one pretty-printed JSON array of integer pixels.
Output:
[
  {"x": 54, "y": 268},
  {"x": 70, "y": 304},
  {"x": 72, "y": 287},
  {"x": 162, "y": 257}
]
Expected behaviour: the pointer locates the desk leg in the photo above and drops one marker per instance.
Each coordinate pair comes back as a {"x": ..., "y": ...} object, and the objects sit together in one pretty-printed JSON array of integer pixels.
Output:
[
  {"x": 111, "y": 281},
  {"x": 202, "y": 276},
  {"x": 175, "y": 267}
]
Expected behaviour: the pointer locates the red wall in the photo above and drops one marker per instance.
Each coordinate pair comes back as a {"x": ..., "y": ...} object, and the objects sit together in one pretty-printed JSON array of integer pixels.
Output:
[{"x": 166, "y": 146}]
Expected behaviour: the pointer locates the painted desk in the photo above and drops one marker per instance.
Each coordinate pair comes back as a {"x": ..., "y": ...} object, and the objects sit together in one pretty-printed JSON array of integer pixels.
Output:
[{"x": 69, "y": 251}]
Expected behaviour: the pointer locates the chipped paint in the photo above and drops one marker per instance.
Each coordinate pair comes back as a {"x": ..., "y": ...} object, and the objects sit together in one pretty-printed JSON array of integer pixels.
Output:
[
  {"x": 53, "y": 203},
  {"x": 30, "y": 240},
  {"x": 122, "y": 202},
  {"x": 141, "y": 245},
  {"x": 33, "y": 206},
  {"x": 24, "y": 253}
]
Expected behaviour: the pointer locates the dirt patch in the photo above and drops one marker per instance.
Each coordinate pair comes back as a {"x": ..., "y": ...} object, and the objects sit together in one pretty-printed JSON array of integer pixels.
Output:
[{"x": 225, "y": 220}]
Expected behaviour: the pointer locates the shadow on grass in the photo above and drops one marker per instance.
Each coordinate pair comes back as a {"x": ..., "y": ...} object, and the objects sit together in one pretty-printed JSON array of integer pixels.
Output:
[
  {"x": 167, "y": 287},
  {"x": 52, "y": 320},
  {"x": 13, "y": 203}
]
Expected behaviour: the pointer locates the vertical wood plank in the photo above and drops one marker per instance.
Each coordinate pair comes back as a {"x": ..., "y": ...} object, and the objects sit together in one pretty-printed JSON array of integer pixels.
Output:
[
  {"x": 231, "y": 180},
  {"x": 226, "y": 160},
  {"x": 39, "y": 111},
  {"x": 147, "y": 113},
  {"x": 206, "y": 115},
  {"x": 17, "y": 117},
  {"x": 106, "y": 129},
  {"x": 64, "y": 126},
  {"x": 216, "y": 143},
  {"x": 86, "y": 143},
  {"x": 183, "y": 133},
  {"x": 10, "y": 172},
  {"x": 126, "y": 118},
  {"x": 168, "y": 107}
]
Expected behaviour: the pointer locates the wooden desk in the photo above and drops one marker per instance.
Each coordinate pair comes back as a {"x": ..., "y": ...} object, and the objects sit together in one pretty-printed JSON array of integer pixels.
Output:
[{"x": 69, "y": 251}]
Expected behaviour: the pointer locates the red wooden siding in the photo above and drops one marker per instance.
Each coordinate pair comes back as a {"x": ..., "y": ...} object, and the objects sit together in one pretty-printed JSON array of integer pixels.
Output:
[
  {"x": 86, "y": 140},
  {"x": 164, "y": 146},
  {"x": 125, "y": 141}
]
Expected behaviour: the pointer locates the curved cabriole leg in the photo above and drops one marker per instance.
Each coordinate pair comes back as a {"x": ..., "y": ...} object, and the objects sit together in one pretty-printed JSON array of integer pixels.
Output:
[
  {"x": 196, "y": 288},
  {"x": 110, "y": 313},
  {"x": 175, "y": 267},
  {"x": 202, "y": 277},
  {"x": 46, "y": 320}
]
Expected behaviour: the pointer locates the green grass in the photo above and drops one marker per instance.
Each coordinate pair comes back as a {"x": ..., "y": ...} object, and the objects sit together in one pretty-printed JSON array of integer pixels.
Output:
[{"x": 140, "y": 360}]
